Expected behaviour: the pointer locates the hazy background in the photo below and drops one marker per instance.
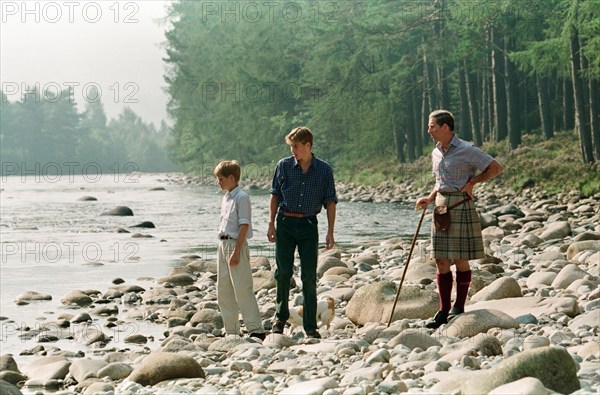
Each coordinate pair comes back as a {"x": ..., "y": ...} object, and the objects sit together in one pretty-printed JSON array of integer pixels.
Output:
[{"x": 113, "y": 45}]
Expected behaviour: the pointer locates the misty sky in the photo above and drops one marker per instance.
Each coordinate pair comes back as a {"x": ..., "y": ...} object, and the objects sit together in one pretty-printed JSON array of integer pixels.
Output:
[{"x": 116, "y": 46}]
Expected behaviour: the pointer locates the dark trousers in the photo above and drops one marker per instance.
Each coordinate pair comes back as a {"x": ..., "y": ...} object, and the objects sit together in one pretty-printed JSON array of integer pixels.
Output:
[{"x": 304, "y": 234}]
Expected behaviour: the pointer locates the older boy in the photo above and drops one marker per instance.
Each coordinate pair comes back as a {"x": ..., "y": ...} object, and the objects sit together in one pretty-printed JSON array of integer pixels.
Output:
[
  {"x": 234, "y": 281},
  {"x": 302, "y": 184}
]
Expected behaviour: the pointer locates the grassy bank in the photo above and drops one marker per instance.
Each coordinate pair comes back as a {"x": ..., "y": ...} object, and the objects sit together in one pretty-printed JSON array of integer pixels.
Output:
[{"x": 554, "y": 166}]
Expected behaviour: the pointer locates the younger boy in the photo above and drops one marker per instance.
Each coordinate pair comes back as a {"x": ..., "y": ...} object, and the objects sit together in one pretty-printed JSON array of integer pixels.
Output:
[{"x": 234, "y": 280}]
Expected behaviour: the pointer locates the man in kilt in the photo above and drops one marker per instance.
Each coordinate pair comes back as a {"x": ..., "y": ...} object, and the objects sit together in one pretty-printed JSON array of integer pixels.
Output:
[{"x": 457, "y": 167}]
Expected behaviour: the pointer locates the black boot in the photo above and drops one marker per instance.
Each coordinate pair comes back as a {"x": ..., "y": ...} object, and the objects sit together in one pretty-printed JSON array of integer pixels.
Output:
[
  {"x": 440, "y": 318},
  {"x": 454, "y": 312}
]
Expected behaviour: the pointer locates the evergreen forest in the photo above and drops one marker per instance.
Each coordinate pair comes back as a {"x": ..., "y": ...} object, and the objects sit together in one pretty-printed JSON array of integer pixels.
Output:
[
  {"x": 364, "y": 75},
  {"x": 44, "y": 133}
]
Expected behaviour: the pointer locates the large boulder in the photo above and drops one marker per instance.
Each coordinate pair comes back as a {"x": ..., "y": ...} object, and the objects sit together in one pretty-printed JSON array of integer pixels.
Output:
[
  {"x": 158, "y": 295},
  {"x": 540, "y": 279},
  {"x": 145, "y": 224},
  {"x": 32, "y": 296},
  {"x": 161, "y": 366},
  {"x": 567, "y": 275},
  {"x": 260, "y": 262},
  {"x": 180, "y": 280},
  {"x": 7, "y": 362},
  {"x": 556, "y": 230},
  {"x": 90, "y": 334},
  {"x": 209, "y": 317},
  {"x": 473, "y": 322},
  {"x": 7, "y": 388},
  {"x": 524, "y": 386},
  {"x": 12, "y": 377},
  {"x": 509, "y": 209},
  {"x": 327, "y": 262},
  {"x": 414, "y": 338},
  {"x": 578, "y": 246},
  {"x": 504, "y": 287},
  {"x": 263, "y": 279},
  {"x": 536, "y": 305},
  {"x": 481, "y": 343},
  {"x": 227, "y": 344},
  {"x": 588, "y": 319},
  {"x": 373, "y": 303},
  {"x": 419, "y": 271},
  {"x": 84, "y": 368},
  {"x": 553, "y": 366},
  {"x": 47, "y": 368},
  {"x": 199, "y": 266},
  {"x": 115, "y": 371},
  {"x": 76, "y": 297}
]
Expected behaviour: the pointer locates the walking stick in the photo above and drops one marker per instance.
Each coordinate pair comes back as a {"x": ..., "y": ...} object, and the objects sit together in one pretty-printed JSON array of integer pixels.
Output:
[{"x": 412, "y": 247}]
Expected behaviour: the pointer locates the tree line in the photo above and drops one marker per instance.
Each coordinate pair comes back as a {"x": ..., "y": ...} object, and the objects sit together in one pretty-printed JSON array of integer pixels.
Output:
[
  {"x": 365, "y": 74},
  {"x": 44, "y": 132}
]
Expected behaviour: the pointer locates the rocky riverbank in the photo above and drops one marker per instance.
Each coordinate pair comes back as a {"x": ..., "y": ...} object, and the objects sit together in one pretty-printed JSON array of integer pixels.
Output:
[{"x": 531, "y": 326}]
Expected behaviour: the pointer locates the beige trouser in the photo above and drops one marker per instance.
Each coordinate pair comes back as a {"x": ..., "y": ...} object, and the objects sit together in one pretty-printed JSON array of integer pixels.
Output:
[{"x": 234, "y": 290}]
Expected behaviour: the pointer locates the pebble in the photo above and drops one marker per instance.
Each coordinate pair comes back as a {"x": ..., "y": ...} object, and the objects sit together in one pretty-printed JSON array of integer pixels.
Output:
[{"x": 533, "y": 299}]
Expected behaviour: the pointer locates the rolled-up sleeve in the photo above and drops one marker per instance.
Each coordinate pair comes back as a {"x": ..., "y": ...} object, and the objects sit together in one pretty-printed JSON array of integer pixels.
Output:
[
  {"x": 276, "y": 182},
  {"x": 330, "y": 194},
  {"x": 244, "y": 210}
]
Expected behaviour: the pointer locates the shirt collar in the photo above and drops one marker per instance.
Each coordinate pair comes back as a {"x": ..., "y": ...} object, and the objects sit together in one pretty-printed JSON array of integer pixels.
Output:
[
  {"x": 453, "y": 142},
  {"x": 313, "y": 162},
  {"x": 234, "y": 191}
]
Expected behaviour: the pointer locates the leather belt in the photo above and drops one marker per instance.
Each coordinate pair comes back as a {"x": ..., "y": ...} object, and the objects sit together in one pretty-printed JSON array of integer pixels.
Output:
[
  {"x": 226, "y": 237},
  {"x": 295, "y": 215}
]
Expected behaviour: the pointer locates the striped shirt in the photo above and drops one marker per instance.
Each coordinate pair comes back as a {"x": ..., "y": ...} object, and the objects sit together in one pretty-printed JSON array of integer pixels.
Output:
[
  {"x": 303, "y": 193},
  {"x": 453, "y": 168},
  {"x": 235, "y": 211}
]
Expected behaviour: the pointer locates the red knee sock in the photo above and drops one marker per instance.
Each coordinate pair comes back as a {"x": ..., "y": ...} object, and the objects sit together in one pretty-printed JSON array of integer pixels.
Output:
[
  {"x": 463, "y": 281},
  {"x": 444, "y": 283}
]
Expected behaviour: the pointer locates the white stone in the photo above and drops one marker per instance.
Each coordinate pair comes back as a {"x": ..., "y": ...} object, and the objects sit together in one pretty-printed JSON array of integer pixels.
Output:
[
  {"x": 311, "y": 387},
  {"x": 524, "y": 386}
]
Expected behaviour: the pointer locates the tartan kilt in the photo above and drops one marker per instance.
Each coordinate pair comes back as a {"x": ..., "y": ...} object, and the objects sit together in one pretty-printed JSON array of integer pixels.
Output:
[{"x": 463, "y": 240}]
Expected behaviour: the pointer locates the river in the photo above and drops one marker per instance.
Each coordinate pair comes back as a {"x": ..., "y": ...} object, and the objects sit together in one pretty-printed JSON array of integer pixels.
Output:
[{"x": 52, "y": 242}]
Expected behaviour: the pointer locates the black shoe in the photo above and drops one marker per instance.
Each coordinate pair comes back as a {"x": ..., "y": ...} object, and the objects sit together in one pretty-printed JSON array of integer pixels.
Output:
[
  {"x": 259, "y": 336},
  {"x": 278, "y": 327},
  {"x": 454, "y": 312},
  {"x": 313, "y": 333},
  {"x": 440, "y": 318}
]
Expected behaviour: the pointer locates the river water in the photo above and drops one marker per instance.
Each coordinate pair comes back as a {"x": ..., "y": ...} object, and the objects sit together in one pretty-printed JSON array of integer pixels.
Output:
[{"x": 52, "y": 242}]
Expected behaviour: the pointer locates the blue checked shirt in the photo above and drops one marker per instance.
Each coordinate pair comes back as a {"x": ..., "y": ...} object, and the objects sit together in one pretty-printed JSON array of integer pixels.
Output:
[
  {"x": 303, "y": 193},
  {"x": 453, "y": 168}
]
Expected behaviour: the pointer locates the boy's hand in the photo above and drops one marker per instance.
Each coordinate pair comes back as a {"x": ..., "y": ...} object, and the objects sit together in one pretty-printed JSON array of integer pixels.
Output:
[
  {"x": 329, "y": 242},
  {"x": 271, "y": 232},
  {"x": 234, "y": 258}
]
